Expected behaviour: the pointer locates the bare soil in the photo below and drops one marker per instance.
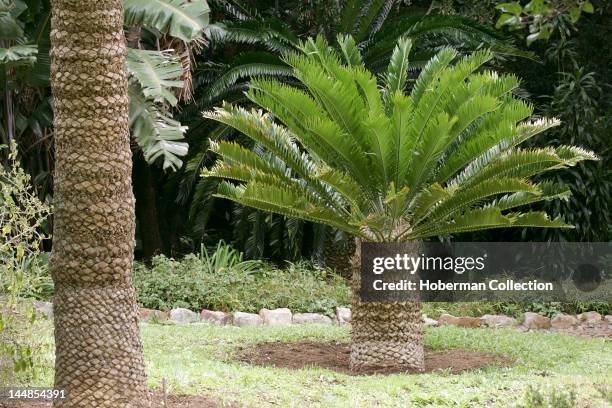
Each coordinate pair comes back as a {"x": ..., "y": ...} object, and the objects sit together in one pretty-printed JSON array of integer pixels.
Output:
[
  {"x": 172, "y": 401},
  {"x": 335, "y": 356}
]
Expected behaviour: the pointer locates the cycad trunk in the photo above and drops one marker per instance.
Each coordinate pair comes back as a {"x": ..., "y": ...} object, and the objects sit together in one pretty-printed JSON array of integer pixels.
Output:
[
  {"x": 339, "y": 253},
  {"x": 384, "y": 334},
  {"x": 99, "y": 360}
]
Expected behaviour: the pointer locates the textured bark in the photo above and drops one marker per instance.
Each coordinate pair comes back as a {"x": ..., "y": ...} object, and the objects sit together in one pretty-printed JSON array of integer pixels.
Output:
[
  {"x": 339, "y": 254},
  {"x": 99, "y": 359},
  {"x": 384, "y": 334}
]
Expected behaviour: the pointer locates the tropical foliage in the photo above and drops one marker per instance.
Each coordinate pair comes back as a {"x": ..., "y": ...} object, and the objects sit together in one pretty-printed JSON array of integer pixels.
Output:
[
  {"x": 159, "y": 64},
  {"x": 385, "y": 165},
  {"x": 568, "y": 78},
  {"x": 250, "y": 41},
  {"x": 543, "y": 17},
  {"x": 375, "y": 27}
]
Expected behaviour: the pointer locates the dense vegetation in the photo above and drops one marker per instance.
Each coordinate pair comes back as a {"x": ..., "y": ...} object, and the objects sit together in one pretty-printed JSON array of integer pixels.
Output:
[
  {"x": 564, "y": 71},
  {"x": 565, "y": 75},
  {"x": 224, "y": 281}
]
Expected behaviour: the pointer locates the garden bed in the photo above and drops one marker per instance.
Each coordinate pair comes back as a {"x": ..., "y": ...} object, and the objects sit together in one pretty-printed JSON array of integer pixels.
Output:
[{"x": 335, "y": 356}]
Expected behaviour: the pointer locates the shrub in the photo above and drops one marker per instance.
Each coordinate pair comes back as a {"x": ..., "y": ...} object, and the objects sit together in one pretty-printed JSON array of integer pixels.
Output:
[
  {"x": 22, "y": 218},
  {"x": 224, "y": 281}
]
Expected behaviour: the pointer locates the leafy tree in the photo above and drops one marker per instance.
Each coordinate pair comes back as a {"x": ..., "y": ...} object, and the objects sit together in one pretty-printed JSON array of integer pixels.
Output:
[
  {"x": 543, "y": 17},
  {"x": 159, "y": 63},
  {"x": 386, "y": 166}
]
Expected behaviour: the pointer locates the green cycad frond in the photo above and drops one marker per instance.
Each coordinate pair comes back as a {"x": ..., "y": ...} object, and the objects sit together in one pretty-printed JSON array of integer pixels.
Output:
[
  {"x": 548, "y": 191},
  {"x": 273, "y": 35},
  {"x": 246, "y": 66},
  {"x": 460, "y": 200},
  {"x": 384, "y": 165},
  {"x": 281, "y": 200},
  {"x": 397, "y": 72},
  {"x": 486, "y": 218},
  {"x": 349, "y": 50}
]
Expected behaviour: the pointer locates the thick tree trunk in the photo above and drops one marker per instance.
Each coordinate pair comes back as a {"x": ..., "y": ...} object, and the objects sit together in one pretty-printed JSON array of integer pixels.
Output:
[
  {"x": 384, "y": 334},
  {"x": 99, "y": 359}
]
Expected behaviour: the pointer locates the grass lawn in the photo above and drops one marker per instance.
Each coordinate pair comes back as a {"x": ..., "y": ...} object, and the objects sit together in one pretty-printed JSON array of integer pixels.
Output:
[{"x": 196, "y": 359}]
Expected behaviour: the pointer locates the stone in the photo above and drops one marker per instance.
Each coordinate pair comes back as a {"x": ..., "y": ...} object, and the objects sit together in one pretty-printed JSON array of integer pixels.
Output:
[
  {"x": 608, "y": 319},
  {"x": 183, "y": 316},
  {"x": 216, "y": 318},
  {"x": 242, "y": 319},
  {"x": 497, "y": 321},
  {"x": 311, "y": 318},
  {"x": 447, "y": 319},
  {"x": 343, "y": 314},
  {"x": 469, "y": 322},
  {"x": 534, "y": 321},
  {"x": 590, "y": 317},
  {"x": 44, "y": 309},
  {"x": 276, "y": 317},
  {"x": 429, "y": 321},
  {"x": 563, "y": 321},
  {"x": 147, "y": 315}
]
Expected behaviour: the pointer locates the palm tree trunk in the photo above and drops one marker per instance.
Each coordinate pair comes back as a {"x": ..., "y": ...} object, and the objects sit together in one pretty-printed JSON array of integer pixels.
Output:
[
  {"x": 99, "y": 359},
  {"x": 384, "y": 334}
]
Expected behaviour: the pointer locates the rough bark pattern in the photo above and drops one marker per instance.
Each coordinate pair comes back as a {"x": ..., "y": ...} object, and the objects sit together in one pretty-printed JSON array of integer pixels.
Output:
[
  {"x": 339, "y": 253},
  {"x": 384, "y": 334},
  {"x": 99, "y": 359}
]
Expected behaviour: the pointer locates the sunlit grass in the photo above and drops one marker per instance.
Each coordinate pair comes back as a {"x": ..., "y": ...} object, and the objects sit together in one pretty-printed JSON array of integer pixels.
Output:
[{"x": 197, "y": 359}]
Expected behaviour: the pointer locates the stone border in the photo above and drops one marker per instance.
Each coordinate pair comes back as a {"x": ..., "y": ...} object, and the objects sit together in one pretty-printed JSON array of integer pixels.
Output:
[
  {"x": 266, "y": 317},
  {"x": 589, "y": 323}
]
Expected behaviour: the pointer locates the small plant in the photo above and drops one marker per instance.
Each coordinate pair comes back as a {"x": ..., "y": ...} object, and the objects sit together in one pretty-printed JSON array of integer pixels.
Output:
[
  {"x": 225, "y": 257},
  {"x": 548, "y": 309},
  {"x": 555, "y": 398},
  {"x": 22, "y": 217}
]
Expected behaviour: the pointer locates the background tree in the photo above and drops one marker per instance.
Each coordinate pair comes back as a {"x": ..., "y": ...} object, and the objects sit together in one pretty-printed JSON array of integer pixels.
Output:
[{"x": 99, "y": 359}]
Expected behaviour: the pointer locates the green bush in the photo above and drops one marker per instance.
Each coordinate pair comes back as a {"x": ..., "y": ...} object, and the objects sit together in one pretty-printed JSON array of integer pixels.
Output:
[
  {"x": 22, "y": 223},
  {"x": 224, "y": 281}
]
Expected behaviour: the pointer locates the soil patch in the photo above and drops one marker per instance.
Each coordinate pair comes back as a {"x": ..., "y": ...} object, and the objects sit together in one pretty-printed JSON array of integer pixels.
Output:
[
  {"x": 173, "y": 401},
  {"x": 335, "y": 356}
]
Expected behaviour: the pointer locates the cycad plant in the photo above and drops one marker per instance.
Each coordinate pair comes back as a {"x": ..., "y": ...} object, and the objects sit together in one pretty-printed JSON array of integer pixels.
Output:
[
  {"x": 387, "y": 166},
  {"x": 249, "y": 38}
]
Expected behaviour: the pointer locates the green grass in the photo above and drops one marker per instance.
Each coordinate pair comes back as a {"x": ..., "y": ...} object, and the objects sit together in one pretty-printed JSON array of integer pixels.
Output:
[{"x": 197, "y": 360}]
